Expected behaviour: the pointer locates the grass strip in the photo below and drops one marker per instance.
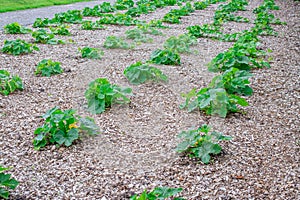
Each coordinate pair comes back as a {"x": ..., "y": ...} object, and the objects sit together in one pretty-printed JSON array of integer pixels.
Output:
[{"x": 9, "y": 5}]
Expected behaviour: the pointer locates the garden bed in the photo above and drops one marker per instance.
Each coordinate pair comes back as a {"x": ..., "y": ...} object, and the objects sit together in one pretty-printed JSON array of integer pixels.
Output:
[{"x": 136, "y": 147}]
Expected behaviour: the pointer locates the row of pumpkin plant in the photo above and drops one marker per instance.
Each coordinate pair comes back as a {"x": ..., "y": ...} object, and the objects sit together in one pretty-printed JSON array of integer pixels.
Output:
[
  {"x": 63, "y": 127},
  {"x": 221, "y": 97},
  {"x": 226, "y": 90}
]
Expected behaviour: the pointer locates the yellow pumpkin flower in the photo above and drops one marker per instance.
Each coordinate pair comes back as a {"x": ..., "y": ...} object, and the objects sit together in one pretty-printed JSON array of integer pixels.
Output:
[{"x": 73, "y": 125}]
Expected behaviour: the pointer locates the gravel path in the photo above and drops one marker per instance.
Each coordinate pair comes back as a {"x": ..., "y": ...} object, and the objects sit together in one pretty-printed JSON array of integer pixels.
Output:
[
  {"x": 27, "y": 17},
  {"x": 136, "y": 148}
]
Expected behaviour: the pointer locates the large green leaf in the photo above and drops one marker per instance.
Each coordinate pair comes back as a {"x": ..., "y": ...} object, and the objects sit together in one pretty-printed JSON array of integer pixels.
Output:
[
  {"x": 4, "y": 193},
  {"x": 40, "y": 140},
  {"x": 66, "y": 138},
  {"x": 206, "y": 149}
]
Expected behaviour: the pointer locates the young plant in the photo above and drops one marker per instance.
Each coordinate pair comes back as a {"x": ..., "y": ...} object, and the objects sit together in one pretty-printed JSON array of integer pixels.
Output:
[
  {"x": 225, "y": 12},
  {"x": 91, "y": 12},
  {"x": 119, "y": 19},
  {"x": 244, "y": 55},
  {"x": 17, "y": 47},
  {"x": 47, "y": 68},
  {"x": 170, "y": 2},
  {"x": 180, "y": 44},
  {"x": 200, "y": 5},
  {"x": 201, "y": 143},
  {"x": 105, "y": 7},
  {"x": 165, "y": 57},
  {"x": 8, "y": 83},
  {"x": 123, "y": 4},
  {"x": 156, "y": 23},
  {"x": 214, "y": 101},
  {"x": 234, "y": 81},
  {"x": 60, "y": 30},
  {"x": 101, "y": 95},
  {"x": 147, "y": 29},
  {"x": 46, "y": 22},
  {"x": 63, "y": 128},
  {"x": 137, "y": 35},
  {"x": 89, "y": 25},
  {"x": 114, "y": 42},
  {"x": 171, "y": 18},
  {"x": 6, "y": 182},
  {"x": 16, "y": 28},
  {"x": 239, "y": 58},
  {"x": 41, "y": 36},
  {"x": 158, "y": 193},
  {"x": 175, "y": 14},
  {"x": 139, "y": 73},
  {"x": 92, "y": 53},
  {"x": 71, "y": 16},
  {"x": 206, "y": 30}
]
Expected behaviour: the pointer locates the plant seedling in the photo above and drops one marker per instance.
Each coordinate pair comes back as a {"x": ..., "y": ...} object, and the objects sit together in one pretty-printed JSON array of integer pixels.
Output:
[
  {"x": 114, "y": 42},
  {"x": 6, "y": 182},
  {"x": 101, "y": 94},
  {"x": 16, "y": 28},
  {"x": 8, "y": 83},
  {"x": 165, "y": 57},
  {"x": 139, "y": 73},
  {"x": 201, "y": 143},
  {"x": 63, "y": 128},
  {"x": 17, "y": 47},
  {"x": 92, "y": 53},
  {"x": 47, "y": 68},
  {"x": 41, "y": 36},
  {"x": 158, "y": 193},
  {"x": 180, "y": 44}
]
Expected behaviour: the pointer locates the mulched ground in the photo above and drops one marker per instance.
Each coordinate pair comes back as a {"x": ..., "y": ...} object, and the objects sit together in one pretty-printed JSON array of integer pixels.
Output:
[{"x": 136, "y": 148}]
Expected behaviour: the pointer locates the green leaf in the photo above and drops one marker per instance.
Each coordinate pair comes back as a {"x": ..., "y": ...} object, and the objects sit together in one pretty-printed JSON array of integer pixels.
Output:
[
  {"x": 220, "y": 137},
  {"x": 4, "y": 193},
  {"x": 41, "y": 36},
  {"x": 17, "y": 47},
  {"x": 92, "y": 53},
  {"x": 239, "y": 100},
  {"x": 165, "y": 57},
  {"x": 188, "y": 96},
  {"x": 16, "y": 28},
  {"x": 138, "y": 35},
  {"x": 219, "y": 101},
  {"x": 139, "y": 73},
  {"x": 88, "y": 125},
  {"x": 143, "y": 196},
  {"x": 165, "y": 192},
  {"x": 200, "y": 144},
  {"x": 180, "y": 44},
  {"x": 40, "y": 140},
  {"x": 8, "y": 83},
  {"x": 50, "y": 112},
  {"x": 101, "y": 94},
  {"x": 47, "y": 67},
  {"x": 206, "y": 149},
  {"x": 6, "y": 181},
  {"x": 113, "y": 42},
  {"x": 190, "y": 138},
  {"x": 66, "y": 138}
]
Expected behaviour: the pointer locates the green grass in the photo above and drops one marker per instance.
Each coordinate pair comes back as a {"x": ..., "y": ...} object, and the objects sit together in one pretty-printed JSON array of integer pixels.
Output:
[{"x": 11, "y": 5}]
